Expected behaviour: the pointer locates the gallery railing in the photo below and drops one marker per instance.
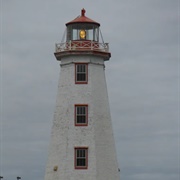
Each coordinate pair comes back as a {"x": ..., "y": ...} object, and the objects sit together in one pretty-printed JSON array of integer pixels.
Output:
[{"x": 82, "y": 45}]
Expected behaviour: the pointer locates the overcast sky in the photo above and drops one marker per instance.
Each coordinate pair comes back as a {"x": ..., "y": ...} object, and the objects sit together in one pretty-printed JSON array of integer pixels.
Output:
[{"x": 142, "y": 78}]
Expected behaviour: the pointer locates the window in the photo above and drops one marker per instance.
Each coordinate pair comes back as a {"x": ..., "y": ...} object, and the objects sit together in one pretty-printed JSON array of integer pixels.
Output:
[
  {"x": 81, "y": 115},
  {"x": 81, "y": 158},
  {"x": 81, "y": 71}
]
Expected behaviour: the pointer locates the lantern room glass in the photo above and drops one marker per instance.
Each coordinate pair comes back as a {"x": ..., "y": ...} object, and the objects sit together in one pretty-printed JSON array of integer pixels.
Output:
[{"x": 74, "y": 32}]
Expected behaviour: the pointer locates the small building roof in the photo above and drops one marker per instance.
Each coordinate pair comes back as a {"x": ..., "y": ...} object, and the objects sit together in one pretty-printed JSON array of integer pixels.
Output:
[{"x": 82, "y": 19}]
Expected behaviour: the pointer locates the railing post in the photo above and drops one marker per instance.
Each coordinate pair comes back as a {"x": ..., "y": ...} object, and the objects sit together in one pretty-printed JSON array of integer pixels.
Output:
[
  {"x": 106, "y": 47},
  {"x": 91, "y": 44},
  {"x": 70, "y": 45},
  {"x": 56, "y": 47}
]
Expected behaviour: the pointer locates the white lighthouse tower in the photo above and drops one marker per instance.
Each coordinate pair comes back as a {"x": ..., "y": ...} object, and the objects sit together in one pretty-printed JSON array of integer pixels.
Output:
[{"x": 82, "y": 143}]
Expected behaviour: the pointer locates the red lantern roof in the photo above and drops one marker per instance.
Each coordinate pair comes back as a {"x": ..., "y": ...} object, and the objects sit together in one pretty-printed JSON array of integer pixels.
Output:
[{"x": 82, "y": 19}]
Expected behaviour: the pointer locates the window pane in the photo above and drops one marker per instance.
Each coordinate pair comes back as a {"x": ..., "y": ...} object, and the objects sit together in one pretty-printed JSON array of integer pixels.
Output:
[
  {"x": 78, "y": 68},
  {"x": 83, "y": 68},
  {"x": 83, "y": 153},
  {"x": 81, "y": 77},
  {"x": 77, "y": 110},
  {"x": 81, "y": 119},
  {"x": 90, "y": 34},
  {"x": 81, "y": 162},
  {"x": 78, "y": 155},
  {"x": 74, "y": 34},
  {"x": 78, "y": 162},
  {"x": 83, "y": 110}
]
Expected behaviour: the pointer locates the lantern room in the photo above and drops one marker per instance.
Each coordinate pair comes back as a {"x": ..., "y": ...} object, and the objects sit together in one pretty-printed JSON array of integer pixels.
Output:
[
  {"x": 82, "y": 28},
  {"x": 82, "y": 36}
]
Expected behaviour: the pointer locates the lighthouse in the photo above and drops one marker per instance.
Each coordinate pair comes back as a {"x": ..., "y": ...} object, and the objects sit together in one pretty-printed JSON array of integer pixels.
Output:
[{"x": 82, "y": 145}]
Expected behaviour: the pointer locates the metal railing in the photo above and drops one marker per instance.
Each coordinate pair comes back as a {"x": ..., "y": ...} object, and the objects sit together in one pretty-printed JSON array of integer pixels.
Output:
[{"x": 81, "y": 45}]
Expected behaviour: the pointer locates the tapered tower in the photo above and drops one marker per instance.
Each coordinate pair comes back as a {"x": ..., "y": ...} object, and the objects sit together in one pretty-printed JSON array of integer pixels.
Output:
[{"x": 82, "y": 143}]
